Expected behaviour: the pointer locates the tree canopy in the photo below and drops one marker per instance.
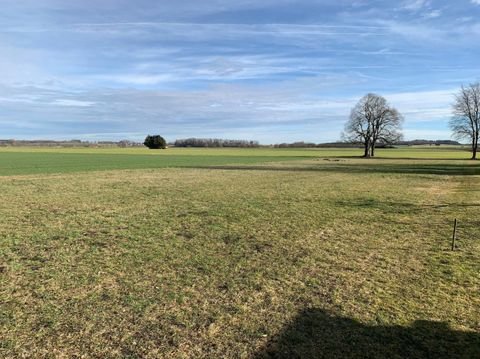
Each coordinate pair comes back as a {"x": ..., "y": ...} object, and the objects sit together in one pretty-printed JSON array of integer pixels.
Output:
[
  {"x": 155, "y": 142},
  {"x": 373, "y": 121},
  {"x": 465, "y": 122}
]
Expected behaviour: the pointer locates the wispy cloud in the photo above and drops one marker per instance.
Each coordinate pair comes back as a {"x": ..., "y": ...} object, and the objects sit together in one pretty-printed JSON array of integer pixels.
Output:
[
  {"x": 72, "y": 103},
  {"x": 433, "y": 14},
  {"x": 415, "y": 5}
]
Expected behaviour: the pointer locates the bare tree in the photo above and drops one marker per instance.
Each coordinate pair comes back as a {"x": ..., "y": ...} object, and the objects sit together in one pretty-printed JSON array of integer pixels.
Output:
[
  {"x": 373, "y": 121},
  {"x": 465, "y": 122}
]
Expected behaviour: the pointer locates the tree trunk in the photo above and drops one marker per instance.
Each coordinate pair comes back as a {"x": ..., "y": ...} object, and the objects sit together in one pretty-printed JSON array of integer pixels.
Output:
[
  {"x": 372, "y": 148},
  {"x": 474, "y": 149},
  {"x": 366, "y": 154}
]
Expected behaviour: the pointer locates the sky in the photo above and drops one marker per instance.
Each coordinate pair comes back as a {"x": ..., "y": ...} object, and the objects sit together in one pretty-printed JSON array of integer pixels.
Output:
[{"x": 267, "y": 70}]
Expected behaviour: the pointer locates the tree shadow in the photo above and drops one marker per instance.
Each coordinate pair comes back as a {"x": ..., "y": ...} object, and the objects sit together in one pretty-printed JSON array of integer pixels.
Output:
[
  {"x": 446, "y": 169},
  {"x": 315, "y": 333},
  {"x": 402, "y": 158},
  {"x": 400, "y": 207}
]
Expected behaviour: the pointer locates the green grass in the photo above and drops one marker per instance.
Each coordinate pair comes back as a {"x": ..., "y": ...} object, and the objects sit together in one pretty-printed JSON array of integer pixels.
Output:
[
  {"x": 19, "y": 163},
  {"x": 298, "y": 253},
  {"x": 24, "y": 161}
]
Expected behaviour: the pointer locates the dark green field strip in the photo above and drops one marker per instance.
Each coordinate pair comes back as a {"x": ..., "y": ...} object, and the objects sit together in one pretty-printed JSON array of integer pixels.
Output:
[{"x": 39, "y": 163}]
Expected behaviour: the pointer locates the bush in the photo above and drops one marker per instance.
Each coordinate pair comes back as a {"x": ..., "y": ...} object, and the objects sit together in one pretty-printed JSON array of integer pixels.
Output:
[{"x": 155, "y": 142}]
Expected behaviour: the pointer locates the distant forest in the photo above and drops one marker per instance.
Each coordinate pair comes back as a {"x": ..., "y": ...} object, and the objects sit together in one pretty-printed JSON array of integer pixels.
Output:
[
  {"x": 215, "y": 142},
  {"x": 68, "y": 143},
  {"x": 212, "y": 142},
  {"x": 355, "y": 145}
]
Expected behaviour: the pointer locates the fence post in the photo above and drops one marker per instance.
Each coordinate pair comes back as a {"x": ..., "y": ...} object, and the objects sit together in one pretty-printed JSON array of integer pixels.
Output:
[{"x": 454, "y": 237}]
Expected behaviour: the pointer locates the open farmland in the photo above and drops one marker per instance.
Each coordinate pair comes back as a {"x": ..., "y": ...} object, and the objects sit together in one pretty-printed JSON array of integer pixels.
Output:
[
  {"x": 246, "y": 253},
  {"x": 25, "y": 160}
]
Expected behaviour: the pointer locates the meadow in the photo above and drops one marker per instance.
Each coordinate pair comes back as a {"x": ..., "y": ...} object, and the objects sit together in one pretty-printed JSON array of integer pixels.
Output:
[{"x": 238, "y": 253}]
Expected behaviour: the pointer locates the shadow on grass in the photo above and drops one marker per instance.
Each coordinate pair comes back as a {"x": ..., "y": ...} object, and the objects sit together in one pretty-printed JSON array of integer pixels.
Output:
[
  {"x": 466, "y": 159},
  {"x": 371, "y": 167},
  {"x": 400, "y": 207},
  {"x": 315, "y": 333}
]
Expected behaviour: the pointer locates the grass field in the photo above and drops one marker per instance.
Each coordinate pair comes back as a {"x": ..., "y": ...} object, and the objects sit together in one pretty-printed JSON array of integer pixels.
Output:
[
  {"x": 21, "y": 161},
  {"x": 266, "y": 253}
]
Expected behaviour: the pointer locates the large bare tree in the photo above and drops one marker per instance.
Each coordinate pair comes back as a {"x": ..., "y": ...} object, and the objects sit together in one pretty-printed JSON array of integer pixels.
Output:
[
  {"x": 465, "y": 123},
  {"x": 373, "y": 121}
]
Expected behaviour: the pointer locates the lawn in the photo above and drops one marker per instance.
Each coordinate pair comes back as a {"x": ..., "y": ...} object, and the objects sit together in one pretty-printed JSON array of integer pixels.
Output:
[{"x": 251, "y": 253}]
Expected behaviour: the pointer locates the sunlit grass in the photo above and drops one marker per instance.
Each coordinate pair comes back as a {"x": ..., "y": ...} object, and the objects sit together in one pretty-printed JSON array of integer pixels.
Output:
[{"x": 198, "y": 262}]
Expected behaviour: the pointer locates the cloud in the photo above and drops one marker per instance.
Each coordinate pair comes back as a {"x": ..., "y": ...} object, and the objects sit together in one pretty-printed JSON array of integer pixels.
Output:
[
  {"x": 433, "y": 14},
  {"x": 422, "y": 8},
  {"x": 415, "y": 5},
  {"x": 72, "y": 103},
  {"x": 424, "y": 106}
]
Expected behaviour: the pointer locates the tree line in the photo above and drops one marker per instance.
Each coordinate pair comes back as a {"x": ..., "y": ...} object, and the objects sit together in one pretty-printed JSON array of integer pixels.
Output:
[
  {"x": 373, "y": 121},
  {"x": 214, "y": 142}
]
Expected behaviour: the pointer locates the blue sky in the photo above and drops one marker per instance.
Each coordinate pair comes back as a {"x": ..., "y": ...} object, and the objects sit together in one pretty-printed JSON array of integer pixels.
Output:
[{"x": 267, "y": 70}]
